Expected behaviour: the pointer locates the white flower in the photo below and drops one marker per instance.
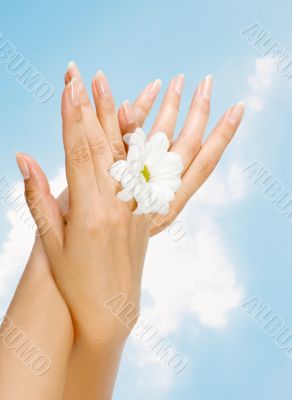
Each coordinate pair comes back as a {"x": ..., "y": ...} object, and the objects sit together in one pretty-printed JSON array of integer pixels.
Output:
[{"x": 151, "y": 174}]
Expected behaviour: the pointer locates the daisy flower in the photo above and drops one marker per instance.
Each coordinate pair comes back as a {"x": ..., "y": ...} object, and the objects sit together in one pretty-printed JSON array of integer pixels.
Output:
[{"x": 151, "y": 174}]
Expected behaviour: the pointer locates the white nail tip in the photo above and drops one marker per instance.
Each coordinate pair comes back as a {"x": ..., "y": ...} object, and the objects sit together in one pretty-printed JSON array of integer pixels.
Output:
[{"x": 71, "y": 64}]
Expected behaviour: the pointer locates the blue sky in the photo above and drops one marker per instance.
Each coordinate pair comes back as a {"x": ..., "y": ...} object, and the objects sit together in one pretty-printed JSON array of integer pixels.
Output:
[{"x": 133, "y": 43}]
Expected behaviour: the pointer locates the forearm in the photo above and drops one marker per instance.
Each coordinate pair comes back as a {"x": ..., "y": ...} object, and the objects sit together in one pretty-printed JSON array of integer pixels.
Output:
[
  {"x": 92, "y": 371},
  {"x": 40, "y": 314}
]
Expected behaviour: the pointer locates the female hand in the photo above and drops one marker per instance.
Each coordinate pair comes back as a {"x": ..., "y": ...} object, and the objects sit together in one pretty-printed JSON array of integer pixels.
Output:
[
  {"x": 199, "y": 157},
  {"x": 39, "y": 309},
  {"x": 97, "y": 249},
  {"x": 188, "y": 145},
  {"x": 199, "y": 161}
]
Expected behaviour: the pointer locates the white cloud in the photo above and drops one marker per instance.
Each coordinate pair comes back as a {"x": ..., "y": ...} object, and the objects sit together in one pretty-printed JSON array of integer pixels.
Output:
[{"x": 259, "y": 83}]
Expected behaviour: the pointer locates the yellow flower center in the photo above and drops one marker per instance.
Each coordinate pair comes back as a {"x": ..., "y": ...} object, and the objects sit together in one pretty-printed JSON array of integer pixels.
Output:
[{"x": 146, "y": 173}]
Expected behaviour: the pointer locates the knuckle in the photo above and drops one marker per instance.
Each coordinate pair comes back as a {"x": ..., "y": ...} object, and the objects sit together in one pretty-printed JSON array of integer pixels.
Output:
[
  {"x": 80, "y": 154},
  {"x": 119, "y": 216},
  {"x": 144, "y": 107},
  {"x": 96, "y": 223},
  {"x": 118, "y": 149},
  {"x": 97, "y": 146},
  {"x": 32, "y": 196}
]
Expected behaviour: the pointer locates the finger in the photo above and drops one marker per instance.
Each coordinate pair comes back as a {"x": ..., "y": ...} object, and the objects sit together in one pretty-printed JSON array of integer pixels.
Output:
[
  {"x": 106, "y": 113},
  {"x": 133, "y": 116},
  {"x": 168, "y": 113},
  {"x": 189, "y": 141},
  {"x": 43, "y": 206},
  {"x": 98, "y": 144},
  {"x": 209, "y": 155},
  {"x": 79, "y": 165},
  {"x": 72, "y": 70},
  {"x": 127, "y": 119},
  {"x": 144, "y": 102}
]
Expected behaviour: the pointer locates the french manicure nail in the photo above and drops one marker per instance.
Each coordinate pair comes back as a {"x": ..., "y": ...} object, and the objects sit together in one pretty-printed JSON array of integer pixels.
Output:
[
  {"x": 179, "y": 84},
  {"x": 128, "y": 112},
  {"x": 75, "y": 92},
  {"x": 23, "y": 167},
  {"x": 206, "y": 87},
  {"x": 101, "y": 84},
  {"x": 71, "y": 64},
  {"x": 234, "y": 116},
  {"x": 154, "y": 88}
]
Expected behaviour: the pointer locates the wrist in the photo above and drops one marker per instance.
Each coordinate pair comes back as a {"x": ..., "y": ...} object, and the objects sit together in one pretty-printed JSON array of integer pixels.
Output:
[{"x": 111, "y": 347}]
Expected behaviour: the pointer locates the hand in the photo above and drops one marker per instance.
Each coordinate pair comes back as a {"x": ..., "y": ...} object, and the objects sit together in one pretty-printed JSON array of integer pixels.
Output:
[
  {"x": 88, "y": 371},
  {"x": 79, "y": 121},
  {"x": 199, "y": 158},
  {"x": 191, "y": 136}
]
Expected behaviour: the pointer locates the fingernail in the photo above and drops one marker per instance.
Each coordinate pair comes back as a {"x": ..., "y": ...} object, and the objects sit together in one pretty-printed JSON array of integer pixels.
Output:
[
  {"x": 23, "y": 167},
  {"x": 71, "y": 64},
  {"x": 75, "y": 92},
  {"x": 206, "y": 87},
  {"x": 234, "y": 116},
  {"x": 101, "y": 84},
  {"x": 179, "y": 84},
  {"x": 128, "y": 112},
  {"x": 154, "y": 88}
]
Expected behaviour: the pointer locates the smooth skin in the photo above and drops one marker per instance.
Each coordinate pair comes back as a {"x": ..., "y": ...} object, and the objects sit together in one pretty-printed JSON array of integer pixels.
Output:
[
  {"x": 40, "y": 311},
  {"x": 84, "y": 295}
]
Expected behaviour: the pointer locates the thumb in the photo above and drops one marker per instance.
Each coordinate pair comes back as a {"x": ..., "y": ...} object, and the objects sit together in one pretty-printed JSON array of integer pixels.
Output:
[{"x": 43, "y": 206}]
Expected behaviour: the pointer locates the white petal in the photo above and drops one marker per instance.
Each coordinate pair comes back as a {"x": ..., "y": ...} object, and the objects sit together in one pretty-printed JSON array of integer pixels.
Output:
[
  {"x": 135, "y": 159},
  {"x": 118, "y": 169},
  {"x": 127, "y": 138},
  {"x": 124, "y": 195},
  {"x": 159, "y": 141},
  {"x": 164, "y": 192},
  {"x": 169, "y": 183},
  {"x": 138, "y": 139},
  {"x": 156, "y": 149},
  {"x": 140, "y": 191},
  {"x": 129, "y": 180},
  {"x": 169, "y": 165}
]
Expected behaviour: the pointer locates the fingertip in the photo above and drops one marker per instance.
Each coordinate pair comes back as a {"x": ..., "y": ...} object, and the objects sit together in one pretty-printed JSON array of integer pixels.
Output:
[
  {"x": 71, "y": 64},
  {"x": 235, "y": 114},
  {"x": 153, "y": 89},
  {"x": 23, "y": 165},
  {"x": 101, "y": 85},
  {"x": 74, "y": 95},
  {"x": 178, "y": 84},
  {"x": 128, "y": 113},
  {"x": 204, "y": 90},
  {"x": 72, "y": 70}
]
